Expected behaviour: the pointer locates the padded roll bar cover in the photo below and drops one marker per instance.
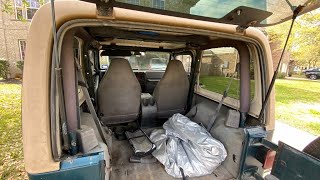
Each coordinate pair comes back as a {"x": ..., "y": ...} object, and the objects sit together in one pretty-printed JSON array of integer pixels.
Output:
[
  {"x": 119, "y": 94},
  {"x": 69, "y": 81},
  {"x": 244, "y": 77}
]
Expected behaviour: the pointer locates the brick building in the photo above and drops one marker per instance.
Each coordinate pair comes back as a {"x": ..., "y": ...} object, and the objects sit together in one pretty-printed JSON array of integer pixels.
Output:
[
  {"x": 219, "y": 61},
  {"x": 13, "y": 32}
]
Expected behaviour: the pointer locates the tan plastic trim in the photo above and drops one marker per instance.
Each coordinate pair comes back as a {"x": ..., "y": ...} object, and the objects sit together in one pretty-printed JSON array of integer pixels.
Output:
[
  {"x": 36, "y": 79},
  {"x": 36, "y": 83}
]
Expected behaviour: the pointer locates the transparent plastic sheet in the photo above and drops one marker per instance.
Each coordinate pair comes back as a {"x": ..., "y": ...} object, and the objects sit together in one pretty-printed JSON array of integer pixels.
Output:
[{"x": 185, "y": 144}]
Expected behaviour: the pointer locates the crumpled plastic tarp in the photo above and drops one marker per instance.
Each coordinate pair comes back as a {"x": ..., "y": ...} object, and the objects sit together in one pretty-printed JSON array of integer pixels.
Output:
[{"x": 184, "y": 144}]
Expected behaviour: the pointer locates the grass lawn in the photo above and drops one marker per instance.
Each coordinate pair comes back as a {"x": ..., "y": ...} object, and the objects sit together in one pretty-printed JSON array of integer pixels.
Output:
[
  {"x": 297, "y": 101},
  {"x": 298, "y": 104},
  {"x": 11, "y": 155},
  {"x": 219, "y": 84}
]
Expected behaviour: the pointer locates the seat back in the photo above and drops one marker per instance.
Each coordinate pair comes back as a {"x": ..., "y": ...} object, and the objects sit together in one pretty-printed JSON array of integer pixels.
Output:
[
  {"x": 119, "y": 94},
  {"x": 171, "y": 91}
]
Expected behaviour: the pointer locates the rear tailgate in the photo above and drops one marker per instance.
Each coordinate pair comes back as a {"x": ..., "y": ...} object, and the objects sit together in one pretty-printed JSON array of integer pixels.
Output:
[{"x": 291, "y": 163}]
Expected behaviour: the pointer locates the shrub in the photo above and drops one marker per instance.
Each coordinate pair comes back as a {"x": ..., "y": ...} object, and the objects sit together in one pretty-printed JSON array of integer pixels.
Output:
[
  {"x": 281, "y": 75},
  {"x": 4, "y": 69},
  {"x": 20, "y": 65}
]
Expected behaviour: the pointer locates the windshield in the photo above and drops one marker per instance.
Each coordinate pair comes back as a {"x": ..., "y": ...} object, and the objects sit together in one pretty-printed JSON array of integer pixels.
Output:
[
  {"x": 218, "y": 9},
  {"x": 141, "y": 61}
]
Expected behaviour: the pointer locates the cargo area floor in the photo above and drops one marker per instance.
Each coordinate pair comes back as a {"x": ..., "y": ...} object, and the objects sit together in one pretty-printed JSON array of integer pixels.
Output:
[{"x": 122, "y": 169}]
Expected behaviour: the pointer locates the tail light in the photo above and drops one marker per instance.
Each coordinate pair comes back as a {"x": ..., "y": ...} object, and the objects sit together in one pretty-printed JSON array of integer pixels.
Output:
[{"x": 269, "y": 158}]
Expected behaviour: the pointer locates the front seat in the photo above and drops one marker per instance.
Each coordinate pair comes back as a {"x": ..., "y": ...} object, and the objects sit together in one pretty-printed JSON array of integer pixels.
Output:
[
  {"x": 171, "y": 92},
  {"x": 119, "y": 94}
]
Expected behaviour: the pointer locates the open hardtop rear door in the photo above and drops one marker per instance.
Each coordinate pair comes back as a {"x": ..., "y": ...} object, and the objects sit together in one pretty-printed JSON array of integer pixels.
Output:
[{"x": 243, "y": 13}]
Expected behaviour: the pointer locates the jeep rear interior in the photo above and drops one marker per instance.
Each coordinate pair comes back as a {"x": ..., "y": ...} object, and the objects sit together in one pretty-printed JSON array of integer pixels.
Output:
[
  {"x": 122, "y": 63},
  {"x": 126, "y": 90}
]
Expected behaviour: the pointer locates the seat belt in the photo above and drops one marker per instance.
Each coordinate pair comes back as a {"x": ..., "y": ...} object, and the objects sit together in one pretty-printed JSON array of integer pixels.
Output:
[
  {"x": 215, "y": 115},
  {"x": 225, "y": 94},
  {"x": 106, "y": 138}
]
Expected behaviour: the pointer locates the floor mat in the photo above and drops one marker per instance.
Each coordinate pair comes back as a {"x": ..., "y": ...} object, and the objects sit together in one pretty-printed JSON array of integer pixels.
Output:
[{"x": 122, "y": 169}]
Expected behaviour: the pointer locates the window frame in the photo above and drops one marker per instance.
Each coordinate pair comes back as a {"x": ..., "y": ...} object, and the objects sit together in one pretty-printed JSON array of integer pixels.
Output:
[
  {"x": 258, "y": 77},
  {"x": 22, "y": 52},
  {"x": 164, "y": 4},
  {"x": 25, "y": 9},
  {"x": 229, "y": 101},
  {"x": 134, "y": 3},
  {"x": 18, "y": 7}
]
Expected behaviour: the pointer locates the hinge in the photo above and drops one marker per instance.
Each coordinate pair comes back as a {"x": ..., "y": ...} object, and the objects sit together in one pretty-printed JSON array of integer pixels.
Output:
[
  {"x": 242, "y": 28},
  {"x": 104, "y": 10}
]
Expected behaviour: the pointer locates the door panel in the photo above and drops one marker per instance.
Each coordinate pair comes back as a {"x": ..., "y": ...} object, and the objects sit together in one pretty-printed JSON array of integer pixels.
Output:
[
  {"x": 291, "y": 163},
  {"x": 83, "y": 167}
]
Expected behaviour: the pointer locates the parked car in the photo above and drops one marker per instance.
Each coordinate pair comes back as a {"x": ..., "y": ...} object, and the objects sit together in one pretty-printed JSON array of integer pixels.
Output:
[
  {"x": 72, "y": 125},
  {"x": 312, "y": 73}
]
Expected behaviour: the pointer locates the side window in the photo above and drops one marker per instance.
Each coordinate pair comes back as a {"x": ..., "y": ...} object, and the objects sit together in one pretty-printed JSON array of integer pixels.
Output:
[
  {"x": 219, "y": 67},
  {"x": 186, "y": 61},
  {"x": 103, "y": 61}
]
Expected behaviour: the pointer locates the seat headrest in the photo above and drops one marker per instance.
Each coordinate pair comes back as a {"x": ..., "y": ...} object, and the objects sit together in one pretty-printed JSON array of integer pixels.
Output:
[
  {"x": 175, "y": 67},
  {"x": 119, "y": 63}
]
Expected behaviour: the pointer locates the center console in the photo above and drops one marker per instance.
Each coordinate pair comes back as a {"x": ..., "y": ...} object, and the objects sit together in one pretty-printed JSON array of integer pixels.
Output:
[{"x": 148, "y": 111}]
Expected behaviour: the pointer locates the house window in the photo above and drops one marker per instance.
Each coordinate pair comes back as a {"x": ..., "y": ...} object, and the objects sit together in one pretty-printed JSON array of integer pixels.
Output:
[
  {"x": 136, "y": 2},
  {"x": 159, "y": 4},
  {"x": 22, "y": 48},
  {"x": 25, "y": 9}
]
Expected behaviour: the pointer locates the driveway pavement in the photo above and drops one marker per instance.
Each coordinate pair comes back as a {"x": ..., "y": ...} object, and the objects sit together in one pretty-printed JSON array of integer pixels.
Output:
[{"x": 291, "y": 136}]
